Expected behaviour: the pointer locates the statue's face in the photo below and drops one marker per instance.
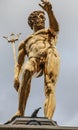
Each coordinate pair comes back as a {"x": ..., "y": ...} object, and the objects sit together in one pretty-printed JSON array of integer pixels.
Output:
[{"x": 39, "y": 21}]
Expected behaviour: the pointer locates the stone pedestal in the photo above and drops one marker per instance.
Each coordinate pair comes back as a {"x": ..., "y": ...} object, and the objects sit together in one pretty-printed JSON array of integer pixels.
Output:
[{"x": 27, "y": 123}]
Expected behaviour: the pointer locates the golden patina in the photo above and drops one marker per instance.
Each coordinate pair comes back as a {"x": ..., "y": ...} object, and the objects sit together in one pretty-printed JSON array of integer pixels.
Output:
[{"x": 43, "y": 59}]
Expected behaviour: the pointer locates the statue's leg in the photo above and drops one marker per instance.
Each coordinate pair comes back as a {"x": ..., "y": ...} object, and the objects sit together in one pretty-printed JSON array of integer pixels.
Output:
[
  {"x": 24, "y": 89},
  {"x": 50, "y": 78}
]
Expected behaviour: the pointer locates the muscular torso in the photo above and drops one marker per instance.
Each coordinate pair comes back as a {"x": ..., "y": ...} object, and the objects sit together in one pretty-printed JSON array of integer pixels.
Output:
[{"x": 37, "y": 44}]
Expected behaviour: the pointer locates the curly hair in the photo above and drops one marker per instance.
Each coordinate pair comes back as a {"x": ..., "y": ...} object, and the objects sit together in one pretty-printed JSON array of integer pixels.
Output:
[{"x": 33, "y": 16}]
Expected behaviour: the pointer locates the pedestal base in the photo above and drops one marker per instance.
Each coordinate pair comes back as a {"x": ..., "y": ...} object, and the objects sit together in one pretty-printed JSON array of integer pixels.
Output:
[{"x": 28, "y": 123}]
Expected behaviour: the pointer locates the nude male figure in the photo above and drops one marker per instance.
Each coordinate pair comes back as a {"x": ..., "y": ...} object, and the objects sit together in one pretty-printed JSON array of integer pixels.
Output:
[{"x": 43, "y": 59}]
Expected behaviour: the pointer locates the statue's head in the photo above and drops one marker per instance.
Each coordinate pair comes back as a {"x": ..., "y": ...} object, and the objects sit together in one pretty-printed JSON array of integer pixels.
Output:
[{"x": 37, "y": 19}]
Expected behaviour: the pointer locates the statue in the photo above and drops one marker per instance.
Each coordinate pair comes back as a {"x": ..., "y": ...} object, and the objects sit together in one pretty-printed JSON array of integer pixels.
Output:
[{"x": 43, "y": 58}]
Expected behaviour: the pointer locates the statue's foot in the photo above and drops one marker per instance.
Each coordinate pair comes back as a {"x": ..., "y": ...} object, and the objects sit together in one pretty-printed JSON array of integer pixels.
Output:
[{"x": 17, "y": 114}]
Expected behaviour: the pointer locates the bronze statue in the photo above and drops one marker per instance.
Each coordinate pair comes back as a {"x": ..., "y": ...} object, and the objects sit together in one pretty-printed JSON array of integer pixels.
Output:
[{"x": 43, "y": 58}]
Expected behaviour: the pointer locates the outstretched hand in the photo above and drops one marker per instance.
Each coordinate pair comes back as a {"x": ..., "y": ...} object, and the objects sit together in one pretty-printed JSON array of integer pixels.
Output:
[{"x": 46, "y": 5}]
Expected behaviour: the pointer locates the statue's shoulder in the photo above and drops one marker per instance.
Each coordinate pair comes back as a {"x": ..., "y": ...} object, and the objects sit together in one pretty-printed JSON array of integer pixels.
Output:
[
  {"x": 42, "y": 31},
  {"x": 27, "y": 39},
  {"x": 54, "y": 33},
  {"x": 46, "y": 31}
]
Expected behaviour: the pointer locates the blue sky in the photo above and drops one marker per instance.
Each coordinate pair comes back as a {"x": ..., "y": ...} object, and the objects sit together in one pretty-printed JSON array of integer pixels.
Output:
[{"x": 13, "y": 18}]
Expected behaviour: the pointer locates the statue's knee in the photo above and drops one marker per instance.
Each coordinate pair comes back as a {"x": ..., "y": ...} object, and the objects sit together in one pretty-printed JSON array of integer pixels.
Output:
[{"x": 49, "y": 90}]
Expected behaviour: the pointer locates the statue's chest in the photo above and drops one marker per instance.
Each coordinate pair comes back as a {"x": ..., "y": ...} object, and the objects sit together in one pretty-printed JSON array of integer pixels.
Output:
[{"x": 36, "y": 42}]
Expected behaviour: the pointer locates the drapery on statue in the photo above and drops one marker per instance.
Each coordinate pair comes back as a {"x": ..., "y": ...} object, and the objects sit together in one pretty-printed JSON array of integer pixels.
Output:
[{"x": 43, "y": 58}]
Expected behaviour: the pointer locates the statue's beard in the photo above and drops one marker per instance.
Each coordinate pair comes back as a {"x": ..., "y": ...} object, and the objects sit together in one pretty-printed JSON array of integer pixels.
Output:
[{"x": 40, "y": 25}]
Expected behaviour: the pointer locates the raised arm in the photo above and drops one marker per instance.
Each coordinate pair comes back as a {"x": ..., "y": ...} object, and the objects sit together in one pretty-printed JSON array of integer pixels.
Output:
[
  {"x": 20, "y": 61},
  {"x": 46, "y": 5}
]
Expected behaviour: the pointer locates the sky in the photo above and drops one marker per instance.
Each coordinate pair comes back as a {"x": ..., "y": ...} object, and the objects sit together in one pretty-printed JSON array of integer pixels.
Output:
[{"x": 13, "y": 18}]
